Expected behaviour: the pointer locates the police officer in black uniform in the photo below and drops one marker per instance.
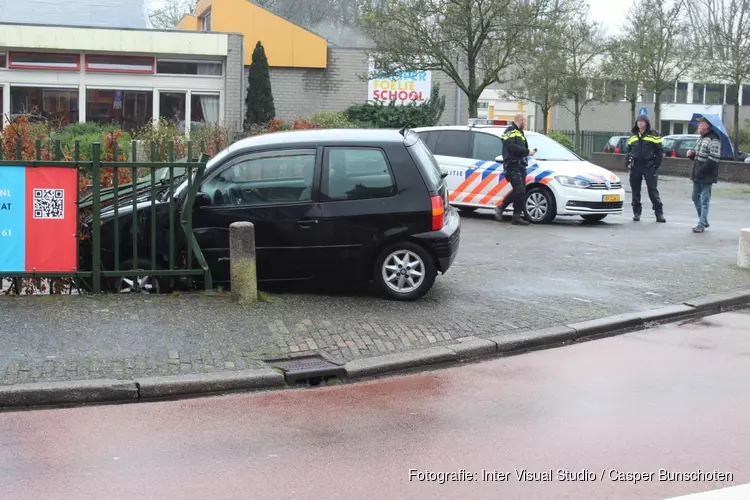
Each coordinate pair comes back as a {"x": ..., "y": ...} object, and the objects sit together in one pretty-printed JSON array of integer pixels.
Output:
[
  {"x": 644, "y": 154},
  {"x": 515, "y": 154}
]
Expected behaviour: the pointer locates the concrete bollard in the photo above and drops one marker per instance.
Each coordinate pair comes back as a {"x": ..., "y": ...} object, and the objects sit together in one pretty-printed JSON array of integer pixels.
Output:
[
  {"x": 243, "y": 274},
  {"x": 743, "y": 253}
]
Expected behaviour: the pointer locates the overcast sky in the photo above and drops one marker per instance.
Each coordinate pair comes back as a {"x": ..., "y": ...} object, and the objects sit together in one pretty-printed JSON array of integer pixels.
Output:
[{"x": 610, "y": 13}]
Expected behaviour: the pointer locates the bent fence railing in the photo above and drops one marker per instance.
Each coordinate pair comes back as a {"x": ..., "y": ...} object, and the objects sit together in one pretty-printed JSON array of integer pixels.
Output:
[{"x": 35, "y": 227}]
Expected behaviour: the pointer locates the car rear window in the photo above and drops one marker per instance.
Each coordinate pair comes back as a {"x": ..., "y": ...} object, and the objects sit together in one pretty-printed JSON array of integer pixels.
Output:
[
  {"x": 427, "y": 164},
  {"x": 667, "y": 143},
  {"x": 613, "y": 141}
]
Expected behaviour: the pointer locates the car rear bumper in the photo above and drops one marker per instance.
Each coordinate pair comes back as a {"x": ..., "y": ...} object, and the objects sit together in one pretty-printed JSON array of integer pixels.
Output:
[{"x": 444, "y": 243}]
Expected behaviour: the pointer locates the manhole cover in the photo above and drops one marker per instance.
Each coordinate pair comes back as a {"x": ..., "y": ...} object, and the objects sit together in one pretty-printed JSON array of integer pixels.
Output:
[{"x": 312, "y": 369}]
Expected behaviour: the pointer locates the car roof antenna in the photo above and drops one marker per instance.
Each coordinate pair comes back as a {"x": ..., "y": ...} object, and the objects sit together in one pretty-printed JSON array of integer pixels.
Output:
[{"x": 403, "y": 129}]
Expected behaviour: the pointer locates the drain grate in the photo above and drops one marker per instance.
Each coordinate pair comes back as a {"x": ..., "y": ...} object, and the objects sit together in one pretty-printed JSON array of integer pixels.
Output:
[{"x": 311, "y": 369}]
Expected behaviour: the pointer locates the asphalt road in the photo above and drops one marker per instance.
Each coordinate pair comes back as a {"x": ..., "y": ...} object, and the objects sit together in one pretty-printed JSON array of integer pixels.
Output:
[
  {"x": 616, "y": 412},
  {"x": 505, "y": 279}
]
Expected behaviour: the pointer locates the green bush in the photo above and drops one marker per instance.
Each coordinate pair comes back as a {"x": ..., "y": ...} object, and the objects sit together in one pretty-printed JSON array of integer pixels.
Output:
[
  {"x": 562, "y": 139},
  {"x": 389, "y": 115},
  {"x": 331, "y": 119},
  {"x": 163, "y": 133}
]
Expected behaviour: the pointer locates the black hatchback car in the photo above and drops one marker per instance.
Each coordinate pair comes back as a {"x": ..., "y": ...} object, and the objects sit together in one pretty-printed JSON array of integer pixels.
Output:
[{"x": 335, "y": 205}]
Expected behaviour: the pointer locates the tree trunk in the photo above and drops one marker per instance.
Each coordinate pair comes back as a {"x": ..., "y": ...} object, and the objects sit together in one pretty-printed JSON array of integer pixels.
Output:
[
  {"x": 657, "y": 112},
  {"x": 473, "y": 106},
  {"x": 737, "y": 123},
  {"x": 545, "y": 119},
  {"x": 577, "y": 116},
  {"x": 633, "y": 106}
]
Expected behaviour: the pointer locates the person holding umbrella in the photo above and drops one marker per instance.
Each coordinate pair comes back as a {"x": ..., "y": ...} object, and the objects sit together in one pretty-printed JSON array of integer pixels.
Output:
[{"x": 706, "y": 158}]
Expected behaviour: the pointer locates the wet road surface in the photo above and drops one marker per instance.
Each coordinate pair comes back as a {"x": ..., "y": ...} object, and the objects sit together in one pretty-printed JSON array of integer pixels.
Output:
[{"x": 673, "y": 398}]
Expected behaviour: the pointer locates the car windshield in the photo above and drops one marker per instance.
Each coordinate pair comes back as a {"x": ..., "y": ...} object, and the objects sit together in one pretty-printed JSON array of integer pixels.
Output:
[
  {"x": 550, "y": 149},
  {"x": 614, "y": 140},
  {"x": 688, "y": 143}
]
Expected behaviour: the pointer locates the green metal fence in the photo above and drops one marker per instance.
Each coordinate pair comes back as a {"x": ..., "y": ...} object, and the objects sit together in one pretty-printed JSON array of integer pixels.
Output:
[
  {"x": 589, "y": 142},
  {"x": 148, "y": 178}
]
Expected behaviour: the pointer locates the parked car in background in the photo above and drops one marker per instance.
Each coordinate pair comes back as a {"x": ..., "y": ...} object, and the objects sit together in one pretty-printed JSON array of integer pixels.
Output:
[
  {"x": 677, "y": 146},
  {"x": 616, "y": 145},
  {"x": 332, "y": 205},
  {"x": 559, "y": 182}
]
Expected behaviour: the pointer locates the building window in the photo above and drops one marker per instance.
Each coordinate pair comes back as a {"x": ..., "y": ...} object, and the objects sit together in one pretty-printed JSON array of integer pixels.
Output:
[
  {"x": 668, "y": 96},
  {"x": 59, "y": 106},
  {"x": 698, "y": 93},
  {"x": 3, "y": 60},
  {"x": 119, "y": 64},
  {"x": 172, "y": 107},
  {"x": 714, "y": 94},
  {"x": 130, "y": 109},
  {"x": 207, "y": 68},
  {"x": 732, "y": 94},
  {"x": 38, "y": 60},
  {"x": 204, "y": 108},
  {"x": 682, "y": 92},
  {"x": 679, "y": 128},
  {"x": 648, "y": 98},
  {"x": 206, "y": 22},
  {"x": 615, "y": 91},
  {"x": 483, "y": 105},
  {"x": 666, "y": 127},
  {"x": 2, "y": 108}
]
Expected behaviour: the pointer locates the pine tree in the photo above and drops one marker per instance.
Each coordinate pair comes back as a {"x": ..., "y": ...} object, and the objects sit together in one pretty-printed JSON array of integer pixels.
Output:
[{"x": 259, "y": 108}]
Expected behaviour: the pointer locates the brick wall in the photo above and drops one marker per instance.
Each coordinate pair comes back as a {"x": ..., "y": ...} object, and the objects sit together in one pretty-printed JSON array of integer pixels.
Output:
[
  {"x": 729, "y": 171},
  {"x": 299, "y": 92},
  {"x": 234, "y": 96}
]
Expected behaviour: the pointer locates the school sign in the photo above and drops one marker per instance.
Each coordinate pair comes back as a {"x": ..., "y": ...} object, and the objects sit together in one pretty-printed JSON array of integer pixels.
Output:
[
  {"x": 402, "y": 88},
  {"x": 38, "y": 219}
]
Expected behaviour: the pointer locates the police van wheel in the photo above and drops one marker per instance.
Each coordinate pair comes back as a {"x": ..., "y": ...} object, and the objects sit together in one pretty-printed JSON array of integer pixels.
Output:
[{"x": 540, "y": 207}]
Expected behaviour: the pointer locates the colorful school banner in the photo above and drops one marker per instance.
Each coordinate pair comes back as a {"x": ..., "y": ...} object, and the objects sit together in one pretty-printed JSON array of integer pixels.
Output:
[
  {"x": 403, "y": 88},
  {"x": 38, "y": 219}
]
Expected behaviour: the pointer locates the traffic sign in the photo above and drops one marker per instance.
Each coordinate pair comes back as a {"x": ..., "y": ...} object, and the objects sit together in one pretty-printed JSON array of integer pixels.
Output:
[{"x": 643, "y": 111}]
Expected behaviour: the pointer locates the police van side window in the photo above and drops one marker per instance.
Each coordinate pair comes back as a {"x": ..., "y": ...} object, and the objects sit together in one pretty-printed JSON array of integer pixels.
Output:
[
  {"x": 453, "y": 143},
  {"x": 486, "y": 147}
]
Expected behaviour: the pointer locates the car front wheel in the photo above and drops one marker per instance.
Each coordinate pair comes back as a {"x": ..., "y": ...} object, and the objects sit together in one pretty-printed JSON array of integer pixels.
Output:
[
  {"x": 405, "y": 271},
  {"x": 540, "y": 206}
]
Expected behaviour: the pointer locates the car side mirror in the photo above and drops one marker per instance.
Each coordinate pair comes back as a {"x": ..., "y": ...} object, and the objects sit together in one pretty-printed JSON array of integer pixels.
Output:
[
  {"x": 499, "y": 159},
  {"x": 202, "y": 200}
]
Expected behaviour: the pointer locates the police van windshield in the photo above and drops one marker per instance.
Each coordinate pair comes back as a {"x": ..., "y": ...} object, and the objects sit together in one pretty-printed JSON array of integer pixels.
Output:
[{"x": 550, "y": 149}]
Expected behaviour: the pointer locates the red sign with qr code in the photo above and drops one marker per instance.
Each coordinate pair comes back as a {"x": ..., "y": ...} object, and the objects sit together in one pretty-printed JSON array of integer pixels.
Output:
[{"x": 51, "y": 219}]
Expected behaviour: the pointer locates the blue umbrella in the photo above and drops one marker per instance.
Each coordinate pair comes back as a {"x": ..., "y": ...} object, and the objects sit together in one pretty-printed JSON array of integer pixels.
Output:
[{"x": 717, "y": 126}]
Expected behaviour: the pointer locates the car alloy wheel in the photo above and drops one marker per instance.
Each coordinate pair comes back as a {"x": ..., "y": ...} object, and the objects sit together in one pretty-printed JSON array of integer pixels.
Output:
[
  {"x": 140, "y": 284},
  {"x": 403, "y": 271},
  {"x": 537, "y": 206}
]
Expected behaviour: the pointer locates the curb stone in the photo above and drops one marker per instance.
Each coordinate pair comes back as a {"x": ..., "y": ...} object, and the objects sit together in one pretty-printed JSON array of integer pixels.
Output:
[
  {"x": 183, "y": 385},
  {"x": 143, "y": 389},
  {"x": 64, "y": 393}
]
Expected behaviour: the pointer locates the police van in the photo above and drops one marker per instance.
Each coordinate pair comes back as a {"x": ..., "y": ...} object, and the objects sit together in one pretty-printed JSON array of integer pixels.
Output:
[{"x": 558, "y": 182}]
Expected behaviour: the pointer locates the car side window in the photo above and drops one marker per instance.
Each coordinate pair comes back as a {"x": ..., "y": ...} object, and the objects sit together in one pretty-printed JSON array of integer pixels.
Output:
[
  {"x": 270, "y": 178},
  {"x": 486, "y": 147},
  {"x": 453, "y": 143},
  {"x": 356, "y": 173}
]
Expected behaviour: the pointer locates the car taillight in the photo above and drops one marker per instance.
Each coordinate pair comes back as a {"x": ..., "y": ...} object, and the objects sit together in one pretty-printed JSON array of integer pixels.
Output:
[
  {"x": 674, "y": 154},
  {"x": 617, "y": 151},
  {"x": 438, "y": 211}
]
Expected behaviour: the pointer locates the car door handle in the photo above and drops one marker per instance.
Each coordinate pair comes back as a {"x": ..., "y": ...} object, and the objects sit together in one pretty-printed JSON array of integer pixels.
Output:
[{"x": 307, "y": 222}]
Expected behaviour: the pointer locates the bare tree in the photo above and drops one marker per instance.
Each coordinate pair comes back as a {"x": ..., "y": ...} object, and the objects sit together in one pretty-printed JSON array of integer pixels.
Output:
[
  {"x": 730, "y": 32},
  {"x": 165, "y": 14},
  {"x": 626, "y": 66},
  {"x": 582, "y": 50},
  {"x": 663, "y": 30},
  {"x": 488, "y": 36},
  {"x": 539, "y": 78}
]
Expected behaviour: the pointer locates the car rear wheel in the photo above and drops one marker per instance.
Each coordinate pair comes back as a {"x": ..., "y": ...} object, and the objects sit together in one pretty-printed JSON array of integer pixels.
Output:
[
  {"x": 405, "y": 271},
  {"x": 592, "y": 218},
  {"x": 540, "y": 206},
  {"x": 141, "y": 285}
]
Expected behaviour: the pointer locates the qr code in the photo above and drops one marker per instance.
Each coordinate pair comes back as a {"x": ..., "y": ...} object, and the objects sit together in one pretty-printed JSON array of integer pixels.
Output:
[{"x": 49, "y": 204}]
